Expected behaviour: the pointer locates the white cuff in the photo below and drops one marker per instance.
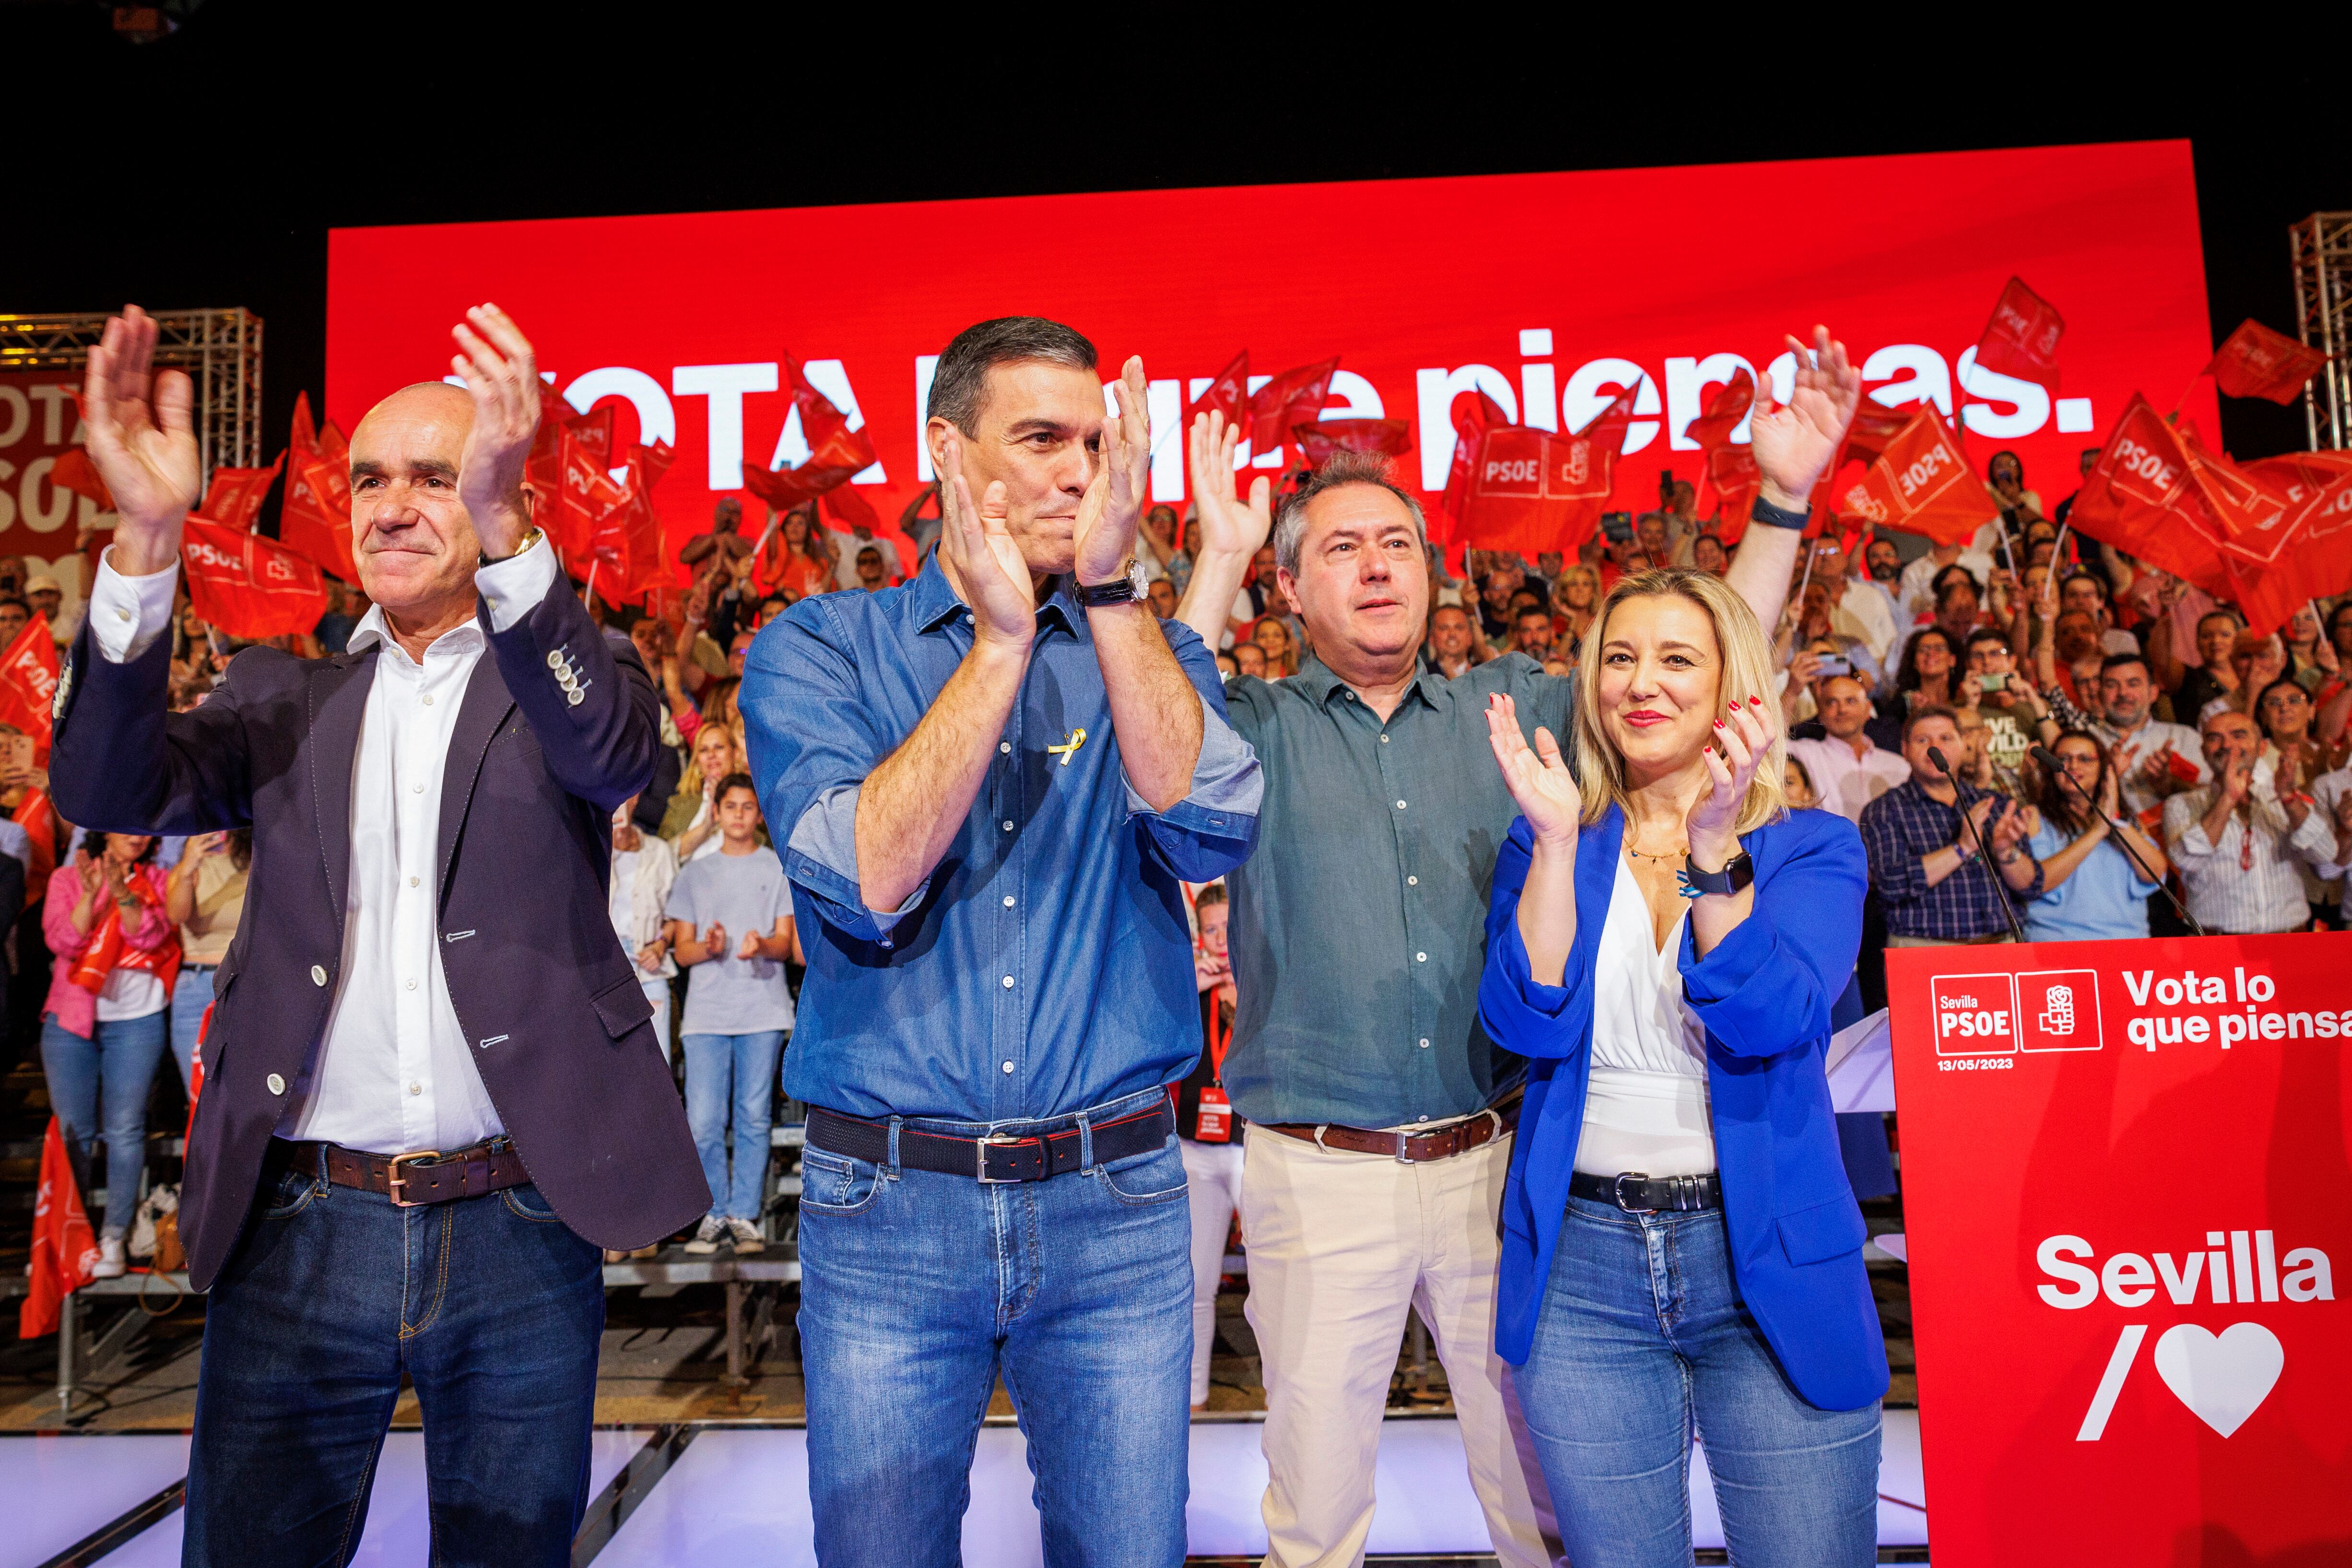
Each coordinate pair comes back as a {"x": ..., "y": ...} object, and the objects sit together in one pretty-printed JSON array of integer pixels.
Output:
[
  {"x": 128, "y": 613},
  {"x": 512, "y": 588}
]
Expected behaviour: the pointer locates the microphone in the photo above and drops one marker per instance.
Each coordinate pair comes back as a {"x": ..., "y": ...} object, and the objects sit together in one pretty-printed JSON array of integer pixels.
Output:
[
  {"x": 2049, "y": 762},
  {"x": 2008, "y": 906}
]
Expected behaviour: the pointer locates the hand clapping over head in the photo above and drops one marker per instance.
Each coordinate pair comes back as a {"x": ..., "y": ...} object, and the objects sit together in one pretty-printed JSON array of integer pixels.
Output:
[
  {"x": 1792, "y": 443},
  {"x": 142, "y": 441}
]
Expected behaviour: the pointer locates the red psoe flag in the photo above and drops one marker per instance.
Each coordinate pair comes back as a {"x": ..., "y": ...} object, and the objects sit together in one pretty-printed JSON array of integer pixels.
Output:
[
  {"x": 1474, "y": 413},
  {"x": 74, "y": 471},
  {"x": 315, "y": 518},
  {"x": 1327, "y": 439},
  {"x": 1293, "y": 397},
  {"x": 249, "y": 586},
  {"x": 65, "y": 1251},
  {"x": 1724, "y": 412},
  {"x": 1873, "y": 426},
  {"x": 234, "y": 498},
  {"x": 1226, "y": 394},
  {"x": 1921, "y": 484},
  {"x": 1528, "y": 491},
  {"x": 2255, "y": 362},
  {"x": 2021, "y": 338},
  {"x": 836, "y": 451},
  {"x": 626, "y": 542},
  {"x": 28, "y": 683}
]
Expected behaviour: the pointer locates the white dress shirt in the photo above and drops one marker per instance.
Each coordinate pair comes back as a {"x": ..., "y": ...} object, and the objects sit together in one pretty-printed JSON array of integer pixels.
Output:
[
  {"x": 2247, "y": 889},
  {"x": 1843, "y": 782},
  {"x": 392, "y": 1074},
  {"x": 2131, "y": 753},
  {"x": 1645, "y": 1099}
]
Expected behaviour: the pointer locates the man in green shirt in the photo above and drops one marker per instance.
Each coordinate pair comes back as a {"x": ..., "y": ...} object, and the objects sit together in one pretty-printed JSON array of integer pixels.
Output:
[{"x": 1373, "y": 1168}]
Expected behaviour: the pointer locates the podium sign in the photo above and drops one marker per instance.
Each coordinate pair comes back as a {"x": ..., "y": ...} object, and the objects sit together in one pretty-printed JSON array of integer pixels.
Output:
[{"x": 2126, "y": 1190}]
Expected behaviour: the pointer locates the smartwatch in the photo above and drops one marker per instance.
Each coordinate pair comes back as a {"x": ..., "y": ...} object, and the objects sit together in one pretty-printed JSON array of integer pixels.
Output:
[
  {"x": 1737, "y": 872},
  {"x": 1121, "y": 590}
]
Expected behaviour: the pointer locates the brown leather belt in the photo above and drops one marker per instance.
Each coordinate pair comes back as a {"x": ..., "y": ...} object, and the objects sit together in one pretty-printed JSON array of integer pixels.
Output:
[
  {"x": 1407, "y": 1148},
  {"x": 428, "y": 1176}
]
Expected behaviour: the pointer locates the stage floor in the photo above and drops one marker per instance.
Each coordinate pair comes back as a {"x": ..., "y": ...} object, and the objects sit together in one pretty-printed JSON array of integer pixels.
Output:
[{"x": 740, "y": 1494}]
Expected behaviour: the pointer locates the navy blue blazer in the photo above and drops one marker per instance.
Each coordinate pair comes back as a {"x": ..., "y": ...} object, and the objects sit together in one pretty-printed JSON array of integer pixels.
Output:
[
  {"x": 1764, "y": 996},
  {"x": 561, "y": 1029}
]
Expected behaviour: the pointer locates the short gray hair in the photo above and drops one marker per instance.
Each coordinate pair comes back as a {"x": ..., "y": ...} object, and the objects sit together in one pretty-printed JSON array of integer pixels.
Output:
[
  {"x": 960, "y": 380},
  {"x": 1344, "y": 468}
]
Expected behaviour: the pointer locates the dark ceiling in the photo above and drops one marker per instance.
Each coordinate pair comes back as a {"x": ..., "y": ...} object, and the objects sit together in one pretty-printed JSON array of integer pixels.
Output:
[{"x": 206, "y": 168}]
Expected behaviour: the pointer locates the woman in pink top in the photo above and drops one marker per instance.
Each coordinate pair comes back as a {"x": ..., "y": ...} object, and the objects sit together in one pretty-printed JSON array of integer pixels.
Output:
[{"x": 102, "y": 1028}]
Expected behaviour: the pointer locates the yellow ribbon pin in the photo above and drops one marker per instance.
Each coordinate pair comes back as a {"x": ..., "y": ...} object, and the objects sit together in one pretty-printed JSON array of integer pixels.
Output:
[{"x": 1068, "y": 748}]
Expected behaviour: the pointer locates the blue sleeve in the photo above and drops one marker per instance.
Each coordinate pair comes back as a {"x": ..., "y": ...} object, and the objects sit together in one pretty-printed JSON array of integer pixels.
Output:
[
  {"x": 1894, "y": 870},
  {"x": 600, "y": 729},
  {"x": 1768, "y": 986},
  {"x": 812, "y": 741},
  {"x": 119, "y": 761},
  {"x": 1213, "y": 828},
  {"x": 1520, "y": 1014}
]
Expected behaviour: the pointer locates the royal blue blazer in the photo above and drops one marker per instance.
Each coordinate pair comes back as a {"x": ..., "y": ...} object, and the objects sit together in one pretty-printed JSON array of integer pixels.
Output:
[{"x": 1764, "y": 996}]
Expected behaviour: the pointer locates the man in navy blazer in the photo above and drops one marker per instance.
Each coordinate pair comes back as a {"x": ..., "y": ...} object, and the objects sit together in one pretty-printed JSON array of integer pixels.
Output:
[{"x": 432, "y": 1086}]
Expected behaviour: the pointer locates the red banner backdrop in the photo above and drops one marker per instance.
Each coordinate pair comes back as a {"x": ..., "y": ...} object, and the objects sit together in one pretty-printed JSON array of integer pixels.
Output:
[
  {"x": 2127, "y": 1184},
  {"x": 1552, "y": 293}
]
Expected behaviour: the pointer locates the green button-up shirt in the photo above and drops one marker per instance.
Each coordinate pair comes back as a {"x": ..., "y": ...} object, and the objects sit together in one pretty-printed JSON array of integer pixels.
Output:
[{"x": 1359, "y": 929}]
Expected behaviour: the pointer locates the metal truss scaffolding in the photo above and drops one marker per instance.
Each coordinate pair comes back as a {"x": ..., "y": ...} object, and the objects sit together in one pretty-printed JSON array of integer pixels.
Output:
[
  {"x": 2321, "y": 246},
  {"x": 220, "y": 350}
]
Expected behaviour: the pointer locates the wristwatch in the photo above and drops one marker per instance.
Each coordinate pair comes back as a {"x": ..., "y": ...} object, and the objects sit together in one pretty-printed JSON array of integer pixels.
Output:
[
  {"x": 1120, "y": 589},
  {"x": 1737, "y": 872},
  {"x": 523, "y": 544}
]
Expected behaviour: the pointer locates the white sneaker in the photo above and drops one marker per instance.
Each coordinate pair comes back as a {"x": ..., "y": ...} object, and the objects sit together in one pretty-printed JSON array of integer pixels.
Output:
[
  {"x": 706, "y": 1236},
  {"x": 109, "y": 1258},
  {"x": 746, "y": 1236}
]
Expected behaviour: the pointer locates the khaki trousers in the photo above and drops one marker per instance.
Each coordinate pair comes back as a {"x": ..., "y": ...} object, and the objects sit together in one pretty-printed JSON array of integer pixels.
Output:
[{"x": 1339, "y": 1246}]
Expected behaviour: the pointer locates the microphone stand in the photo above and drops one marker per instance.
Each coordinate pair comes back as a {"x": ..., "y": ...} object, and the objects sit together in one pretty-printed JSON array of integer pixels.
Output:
[
  {"x": 2049, "y": 760},
  {"x": 1967, "y": 825}
]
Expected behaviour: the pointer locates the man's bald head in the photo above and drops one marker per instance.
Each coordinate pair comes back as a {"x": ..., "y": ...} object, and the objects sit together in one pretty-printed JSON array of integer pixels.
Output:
[{"x": 435, "y": 402}]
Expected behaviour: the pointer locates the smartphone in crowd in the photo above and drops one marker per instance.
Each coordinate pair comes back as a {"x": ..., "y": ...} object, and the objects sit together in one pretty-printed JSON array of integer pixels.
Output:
[
  {"x": 1993, "y": 682},
  {"x": 1828, "y": 664}
]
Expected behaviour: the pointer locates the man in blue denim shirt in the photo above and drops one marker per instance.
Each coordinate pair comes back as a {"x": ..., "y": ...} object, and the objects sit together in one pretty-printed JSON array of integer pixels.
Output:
[{"x": 989, "y": 784}]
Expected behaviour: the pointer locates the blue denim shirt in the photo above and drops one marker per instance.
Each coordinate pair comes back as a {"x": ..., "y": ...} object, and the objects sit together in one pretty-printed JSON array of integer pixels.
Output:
[{"x": 1045, "y": 964}]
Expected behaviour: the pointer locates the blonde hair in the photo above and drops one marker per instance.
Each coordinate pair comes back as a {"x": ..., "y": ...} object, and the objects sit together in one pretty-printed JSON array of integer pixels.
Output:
[{"x": 1744, "y": 671}]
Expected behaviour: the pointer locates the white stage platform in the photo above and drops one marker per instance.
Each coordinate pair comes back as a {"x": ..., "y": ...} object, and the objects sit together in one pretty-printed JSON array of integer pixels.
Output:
[{"x": 739, "y": 1494}]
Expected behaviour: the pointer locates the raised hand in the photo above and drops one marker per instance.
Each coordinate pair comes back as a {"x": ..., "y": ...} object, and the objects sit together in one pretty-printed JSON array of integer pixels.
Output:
[
  {"x": 1794, "y": 441},
  {"x": 143, "y": 441},
  {"x": 1228, "y": 524},
  {"x": 1107, "y": 512},
  {"x": 1742, "y": 738},
  {"x": 979, "y": 548},
  {"x": 1538, "y": 777},
  {"x": 501, "y": 373}
]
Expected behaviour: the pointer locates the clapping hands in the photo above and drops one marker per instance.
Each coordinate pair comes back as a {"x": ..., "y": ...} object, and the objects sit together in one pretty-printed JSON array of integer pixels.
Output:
[
  {"x": 1794, "y": 442},
  {"x": 1540, "y": 779}
]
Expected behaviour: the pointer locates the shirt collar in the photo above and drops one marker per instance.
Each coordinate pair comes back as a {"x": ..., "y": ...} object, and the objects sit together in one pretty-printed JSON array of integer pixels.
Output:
[
  {"x": 373, "y": 629},
  {"x": 935, "y": 604},
  {"x": 1316, "y": 679}
]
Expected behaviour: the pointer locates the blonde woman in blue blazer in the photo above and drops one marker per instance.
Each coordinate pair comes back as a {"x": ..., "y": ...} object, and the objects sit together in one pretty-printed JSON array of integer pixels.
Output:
[{"x": 1680, "y": 1253}]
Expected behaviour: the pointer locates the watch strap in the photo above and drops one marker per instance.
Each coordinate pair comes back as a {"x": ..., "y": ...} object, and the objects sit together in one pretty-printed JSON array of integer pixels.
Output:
[
  {"x": 1737, "y": 872},
  {"x": 1123, "y": 589},
  {"x": 1771, "y": 516}
]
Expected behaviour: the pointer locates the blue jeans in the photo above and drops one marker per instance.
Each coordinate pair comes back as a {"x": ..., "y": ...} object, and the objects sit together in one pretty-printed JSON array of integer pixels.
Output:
[
  {"x": 118, "y": 1064},
  {"x": 1642, "y": 1337},
  {"x": 492, "y": 1307},
  {"x": 918, "y": 1289},
  {"x": 737, "y": 1070},
  {"x": 190, "y": 997}
]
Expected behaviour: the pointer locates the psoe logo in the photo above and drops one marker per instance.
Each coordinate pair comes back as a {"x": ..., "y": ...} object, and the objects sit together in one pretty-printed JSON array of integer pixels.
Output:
[
  {"x": 2058, "y": 1010},
  {"x": 1975, "y": 1015}
]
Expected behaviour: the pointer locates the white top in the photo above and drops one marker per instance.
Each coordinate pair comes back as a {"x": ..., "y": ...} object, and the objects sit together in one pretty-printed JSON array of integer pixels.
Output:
[
  {"x": 394, "y": 1072},
  {"x": 130, "y": 994},
  {"x": 1645, "y": 1101},
  {"x": 1844, "y": 782}
]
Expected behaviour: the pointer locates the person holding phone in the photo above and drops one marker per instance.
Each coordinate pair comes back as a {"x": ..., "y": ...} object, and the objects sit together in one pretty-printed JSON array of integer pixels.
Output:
[{"x": 1992, "y": 693}]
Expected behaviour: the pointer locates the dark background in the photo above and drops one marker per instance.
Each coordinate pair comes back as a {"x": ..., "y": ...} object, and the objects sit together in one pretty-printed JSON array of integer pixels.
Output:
[{"x": 205, "y": 168}]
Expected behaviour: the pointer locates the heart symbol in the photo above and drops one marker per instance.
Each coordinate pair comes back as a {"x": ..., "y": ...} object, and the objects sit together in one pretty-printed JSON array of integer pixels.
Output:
[{"x": 2222, "y": 1378}]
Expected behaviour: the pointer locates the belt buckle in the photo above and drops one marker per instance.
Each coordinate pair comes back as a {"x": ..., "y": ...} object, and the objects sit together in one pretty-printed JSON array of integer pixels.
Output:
[
  {"x": 1403, "y": 1158},
  {"x": 1617, "y": 1191},
  {"x": 979, "y": 1159},
  {"x": 393, "y": 1182}
]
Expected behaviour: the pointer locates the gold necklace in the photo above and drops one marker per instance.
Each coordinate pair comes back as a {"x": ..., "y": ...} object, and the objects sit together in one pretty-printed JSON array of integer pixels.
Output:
[{"x": 1662, "y": 855}]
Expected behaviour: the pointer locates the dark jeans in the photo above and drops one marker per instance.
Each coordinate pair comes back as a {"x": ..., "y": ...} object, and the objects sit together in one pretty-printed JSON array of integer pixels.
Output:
[{"x": 492, "y": 1307}]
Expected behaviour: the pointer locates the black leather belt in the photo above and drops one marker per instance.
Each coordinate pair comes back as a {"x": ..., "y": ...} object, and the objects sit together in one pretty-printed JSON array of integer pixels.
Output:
[
  {"x": 990, "y": 1160},
  {"x": 1636, "y": 1191}
]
